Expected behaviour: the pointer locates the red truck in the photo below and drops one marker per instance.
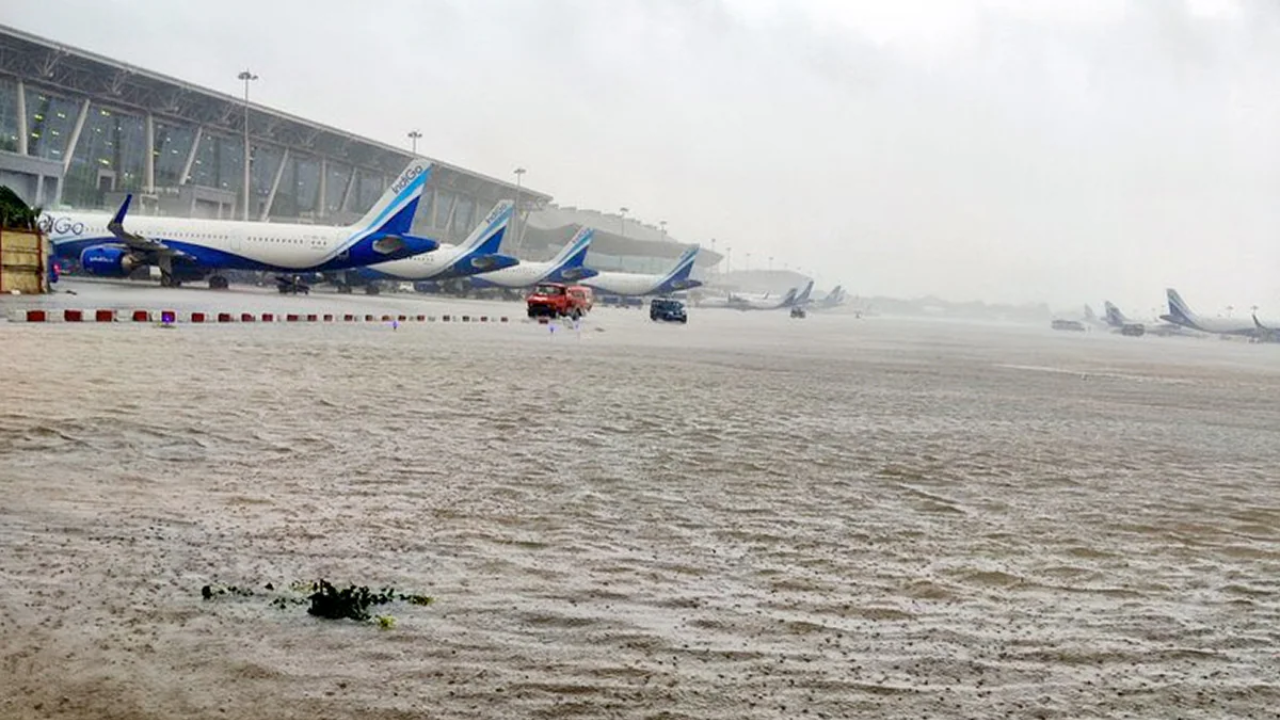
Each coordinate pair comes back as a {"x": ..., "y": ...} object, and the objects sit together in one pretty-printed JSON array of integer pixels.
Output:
[{"x": 557, "y": 300}]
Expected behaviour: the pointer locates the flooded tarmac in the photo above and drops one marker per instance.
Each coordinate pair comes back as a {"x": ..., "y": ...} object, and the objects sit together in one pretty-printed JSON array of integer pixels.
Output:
[{"x": 747, "y": 517}]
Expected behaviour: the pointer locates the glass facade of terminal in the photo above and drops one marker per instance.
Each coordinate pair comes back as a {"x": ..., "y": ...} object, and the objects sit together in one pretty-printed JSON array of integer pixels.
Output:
[
  {"x": 110, "y": 157},
  {"x": 8, "y": 115},
  {"x": 181, "y": 167}
]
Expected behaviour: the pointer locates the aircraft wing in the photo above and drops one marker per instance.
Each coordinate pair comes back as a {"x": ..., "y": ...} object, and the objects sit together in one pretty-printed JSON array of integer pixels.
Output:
[{"x": 133, "y": 241}]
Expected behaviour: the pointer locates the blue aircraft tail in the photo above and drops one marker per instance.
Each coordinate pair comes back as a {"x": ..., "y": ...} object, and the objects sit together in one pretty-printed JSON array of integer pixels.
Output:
[
  {"x": 1179, "y": 312},
  {"x": 789, "y": 299},
  {"x": 487, "y": 237},
  {"x": 574, "y": 254},
  {"x": 394, "y": 212},
  {"x": 803, "y": 297}
]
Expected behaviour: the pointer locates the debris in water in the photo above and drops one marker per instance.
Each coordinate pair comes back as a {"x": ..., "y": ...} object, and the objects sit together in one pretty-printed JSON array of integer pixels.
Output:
[{"x": 329, "y": 602}]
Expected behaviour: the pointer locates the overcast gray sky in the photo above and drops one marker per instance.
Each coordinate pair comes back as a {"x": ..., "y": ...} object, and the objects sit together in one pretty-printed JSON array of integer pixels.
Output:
[{"x": 1004, "y": 150}]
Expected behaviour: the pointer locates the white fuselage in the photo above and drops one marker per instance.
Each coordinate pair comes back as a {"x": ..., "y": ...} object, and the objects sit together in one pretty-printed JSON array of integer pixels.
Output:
[
  {"x": 625, "y": 283},
  {"x": 1229, "y": 326},
  {"x": 425, "y": 266},
  {"x": 526, "y": 274},
  {"x": 293, "y": 246}
]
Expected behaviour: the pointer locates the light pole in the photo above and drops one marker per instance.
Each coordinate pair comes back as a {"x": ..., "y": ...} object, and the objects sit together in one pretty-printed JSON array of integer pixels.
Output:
[
  {"x": 247, "y": 77},
  {"x": 414, "y": 135},
  {"x": 663, "y": 224},
  {"x": 515, "y": 220},
  {"x": 748, "y": 261},
  {"x": 770, "y": 263},
  {"x": 728, "y": 259},
  {"x": 623, "y": 222}
]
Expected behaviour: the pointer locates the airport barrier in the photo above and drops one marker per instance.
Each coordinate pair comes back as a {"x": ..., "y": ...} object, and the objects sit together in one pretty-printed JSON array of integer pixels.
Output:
[{"x": 142, "y": 315}]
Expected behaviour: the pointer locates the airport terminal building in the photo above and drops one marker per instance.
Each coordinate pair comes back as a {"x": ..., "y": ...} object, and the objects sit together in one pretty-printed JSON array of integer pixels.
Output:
[{"x": 80, "y": 130}]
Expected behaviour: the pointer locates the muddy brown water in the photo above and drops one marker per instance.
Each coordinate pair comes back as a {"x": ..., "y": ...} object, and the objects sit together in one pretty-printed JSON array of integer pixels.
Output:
[{"x": 749, "y": 517}]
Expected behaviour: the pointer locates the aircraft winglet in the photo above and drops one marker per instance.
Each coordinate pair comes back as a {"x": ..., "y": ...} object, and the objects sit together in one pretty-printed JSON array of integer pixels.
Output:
[
  {"x": 117, "y": 221},
  {"x": 137, "y": 242}
]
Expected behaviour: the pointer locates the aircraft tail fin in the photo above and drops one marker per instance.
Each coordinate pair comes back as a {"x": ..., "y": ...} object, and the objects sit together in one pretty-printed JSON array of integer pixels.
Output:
[
  {"x": 574, "y": 254},
  {"x": 804, "y": 295},
  {"x": 1179, "y": 311},
  {"x": 1114, "y": 317},
  {"x": 487, "y": 237},
  {"x": 789, "y": 299},
  {"x": 684, "y": 266},
  {"x": 394, "y": 212}
]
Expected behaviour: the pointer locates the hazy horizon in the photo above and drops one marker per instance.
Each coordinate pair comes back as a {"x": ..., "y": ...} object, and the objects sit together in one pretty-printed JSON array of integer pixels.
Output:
[{"x": 996, "y": 151}]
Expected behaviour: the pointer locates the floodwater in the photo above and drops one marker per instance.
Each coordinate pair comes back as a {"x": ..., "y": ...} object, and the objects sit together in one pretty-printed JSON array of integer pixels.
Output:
[{"x": 747, "y": 517}]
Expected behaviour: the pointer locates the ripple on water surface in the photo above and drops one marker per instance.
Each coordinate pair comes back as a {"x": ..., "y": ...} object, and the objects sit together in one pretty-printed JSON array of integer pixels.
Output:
[{"x": 833, "y": 518}]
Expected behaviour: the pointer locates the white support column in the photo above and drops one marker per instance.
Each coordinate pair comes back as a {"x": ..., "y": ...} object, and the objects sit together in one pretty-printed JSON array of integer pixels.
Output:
[
  {"x": 191, "y": 156},
  {"x": 24, "y": 132},
  {"x": 322, "y": 207},
  {"x": 448, "y": 216},
  {"x": 275, "y": 185},
  {"x": 149, "y": 163},
  {"x": 74, "y": 140},
  {"x": 524, "y": 223},
  {"x": 351, "y": 186}
]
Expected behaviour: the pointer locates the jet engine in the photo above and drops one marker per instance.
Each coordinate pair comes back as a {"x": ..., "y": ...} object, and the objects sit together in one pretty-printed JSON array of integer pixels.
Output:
[{"x": 108, "y": 261}]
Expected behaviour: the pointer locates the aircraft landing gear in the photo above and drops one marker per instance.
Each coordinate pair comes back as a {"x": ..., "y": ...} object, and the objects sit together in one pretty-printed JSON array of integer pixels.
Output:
[
  {"x": 291, "y": 285},
  {"x": 372, "y": 288},
  {"x": 344, "y": 289},
  {"x": 169, "y": 281},
  {"x": 217, "y": 282}
]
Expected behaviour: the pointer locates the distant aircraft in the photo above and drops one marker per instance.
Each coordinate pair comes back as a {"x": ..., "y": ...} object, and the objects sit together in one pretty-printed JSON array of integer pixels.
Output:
[
  {"x": 1180, "y": 314},
  {"x": 1117, "y": 320},
  {"x": 742, "y": 303},
  {"x": 833, "y": 299},
  {"x": 188, "y": 249},
  {"x": 635, "y": 284},
  {"x": 805, "y": 297},
  {"x": 566, "y": 266},
  {"x": 477, "y": 254},
  {"x": 739, "y": 301}
]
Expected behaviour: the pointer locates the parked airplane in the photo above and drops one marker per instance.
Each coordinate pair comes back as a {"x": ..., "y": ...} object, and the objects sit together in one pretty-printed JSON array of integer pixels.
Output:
[
  {"x": 566, "y": 266},
  {"x": 477, "y": 254},
  {"x": 1180, "y": 314},
  {"x": 635, "y": 284},
  {"x": 1117, "y": 321},
  {"x": 833, "y": 299},
  {"x": 745, "y": 301},
  {"x": 805, "y": 297},
  {"x": 742, "y": 303},
  {"x": 186, "y": 249}
]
